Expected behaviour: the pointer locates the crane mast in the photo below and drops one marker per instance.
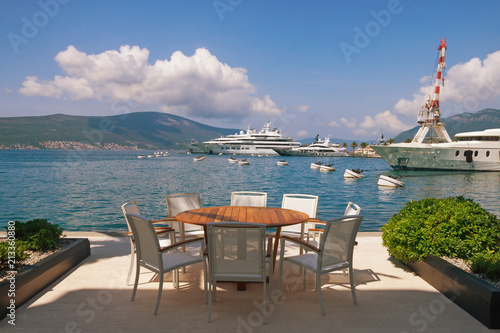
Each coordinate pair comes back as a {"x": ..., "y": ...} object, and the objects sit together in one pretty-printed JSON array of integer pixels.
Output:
[{"x": 429, "y": 117}]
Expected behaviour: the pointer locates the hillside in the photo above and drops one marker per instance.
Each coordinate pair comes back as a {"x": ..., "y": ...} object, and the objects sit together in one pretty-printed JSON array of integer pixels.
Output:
[
  {"x": 463, "y": 122},
  {"x": 146, "y": 130}
]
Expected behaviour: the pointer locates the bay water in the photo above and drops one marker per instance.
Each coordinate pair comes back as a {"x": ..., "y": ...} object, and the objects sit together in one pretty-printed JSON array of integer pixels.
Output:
[{"x": 83, "y": 190}]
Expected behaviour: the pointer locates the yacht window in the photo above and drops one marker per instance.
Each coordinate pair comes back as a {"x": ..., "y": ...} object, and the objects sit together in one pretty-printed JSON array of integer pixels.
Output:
[
  {"x": 475, "y": 153},
  {"x": 457, "y": 153},
  {"x": 487, "y": 154}
]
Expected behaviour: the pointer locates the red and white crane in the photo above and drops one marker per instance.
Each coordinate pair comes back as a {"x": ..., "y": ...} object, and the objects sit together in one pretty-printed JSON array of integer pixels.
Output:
[{"x": 429, "y": 117}]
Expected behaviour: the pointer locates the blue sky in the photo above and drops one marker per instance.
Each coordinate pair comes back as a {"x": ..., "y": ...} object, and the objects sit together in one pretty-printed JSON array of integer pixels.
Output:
[{"x": 349, "y": 69}]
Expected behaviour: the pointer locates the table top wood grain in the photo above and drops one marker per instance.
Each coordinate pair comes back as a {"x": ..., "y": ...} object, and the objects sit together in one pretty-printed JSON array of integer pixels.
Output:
[{"x": 270, "y": 216}]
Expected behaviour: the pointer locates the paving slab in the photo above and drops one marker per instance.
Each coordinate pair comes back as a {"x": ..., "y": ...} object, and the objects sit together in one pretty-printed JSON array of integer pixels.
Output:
[{"x": 93, "y": 297}]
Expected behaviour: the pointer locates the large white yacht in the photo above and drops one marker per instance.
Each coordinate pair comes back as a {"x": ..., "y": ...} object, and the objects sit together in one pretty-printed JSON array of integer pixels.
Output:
[
  {"x": 251, "y": 142},
  {"x": 471, "y": 151},
  {"x": 323, "y": 148}
]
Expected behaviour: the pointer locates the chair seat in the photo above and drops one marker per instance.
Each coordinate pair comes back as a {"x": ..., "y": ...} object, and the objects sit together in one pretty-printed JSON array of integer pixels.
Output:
[{"x": 174, "y": 260}]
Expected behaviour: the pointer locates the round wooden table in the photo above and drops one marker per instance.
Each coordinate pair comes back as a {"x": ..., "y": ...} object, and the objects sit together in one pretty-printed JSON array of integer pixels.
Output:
[{"x": 270, "y": 216}]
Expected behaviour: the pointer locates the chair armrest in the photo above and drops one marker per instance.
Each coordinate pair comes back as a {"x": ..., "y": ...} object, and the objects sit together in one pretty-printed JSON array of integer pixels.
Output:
[
  {"x": 163, "y": 229},
  {"x": 301, "y": 243},
  {"x": 319, "y": 230},
  {"x": 166, "y": 219},
  {"x": 173, "y": 246}
]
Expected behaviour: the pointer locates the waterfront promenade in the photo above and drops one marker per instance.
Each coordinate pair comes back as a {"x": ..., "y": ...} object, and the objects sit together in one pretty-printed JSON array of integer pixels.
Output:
[{"x": 93, "y": 297}]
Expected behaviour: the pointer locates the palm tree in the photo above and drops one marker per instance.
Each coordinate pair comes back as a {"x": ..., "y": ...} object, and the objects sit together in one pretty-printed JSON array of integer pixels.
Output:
[
  {"x": 345, "y": 145},
  {"x": 391, "y": 140},
  {"x": 354, "y": 144},
  {"x": 363, "y": 145}
]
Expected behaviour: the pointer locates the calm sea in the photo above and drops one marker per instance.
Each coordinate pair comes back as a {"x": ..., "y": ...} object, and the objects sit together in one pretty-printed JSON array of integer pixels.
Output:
[{"x": 83, "y": 190}]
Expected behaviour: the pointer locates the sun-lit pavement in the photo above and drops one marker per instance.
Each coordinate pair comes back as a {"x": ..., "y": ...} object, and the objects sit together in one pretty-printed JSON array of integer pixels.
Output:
[{"x": 93, "y": 297}]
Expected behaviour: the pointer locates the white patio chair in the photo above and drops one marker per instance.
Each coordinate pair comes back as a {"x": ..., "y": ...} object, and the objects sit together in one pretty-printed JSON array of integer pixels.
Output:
[
  {"x": 157, "y": 259},
  {"x": 317, "y": 228},
  {"x": 335, "y": 252},
  {"x": 131, "y": 207},
  {"x": 247, "y": 198},
  {"x": 180, "y": 202},
  {"x": 304, "y": 203},
  {"x": 237, "y": 252}
]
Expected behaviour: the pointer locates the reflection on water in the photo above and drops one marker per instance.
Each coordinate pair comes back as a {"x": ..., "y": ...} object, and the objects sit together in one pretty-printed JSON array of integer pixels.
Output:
[{"x": 84, "y": 190}]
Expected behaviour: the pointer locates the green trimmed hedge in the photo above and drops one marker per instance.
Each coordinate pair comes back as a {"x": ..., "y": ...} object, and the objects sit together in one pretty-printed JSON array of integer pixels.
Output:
[
  {"x": 453, "y": 227},
  {"x": 33, "y": 235}
]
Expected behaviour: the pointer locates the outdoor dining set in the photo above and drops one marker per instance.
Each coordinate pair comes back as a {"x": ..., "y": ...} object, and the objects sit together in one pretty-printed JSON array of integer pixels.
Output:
[{"x": 240, "y": 243}]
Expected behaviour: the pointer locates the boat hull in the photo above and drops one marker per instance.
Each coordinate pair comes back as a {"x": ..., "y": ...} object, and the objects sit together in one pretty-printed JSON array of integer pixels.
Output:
[
  {"x": 310, "y": 153},
  {"x": 466, "y": 156},
  {"x": 351, "y": 174},
  {"x": 389, "y": 181}
]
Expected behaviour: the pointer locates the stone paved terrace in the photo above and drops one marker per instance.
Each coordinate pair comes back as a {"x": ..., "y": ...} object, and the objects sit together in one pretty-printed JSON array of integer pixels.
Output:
[{"x": 93, "y": 297}]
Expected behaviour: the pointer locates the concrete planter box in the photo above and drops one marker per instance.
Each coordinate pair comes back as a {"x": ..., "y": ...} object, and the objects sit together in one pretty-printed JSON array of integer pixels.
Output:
[
  {"x": 480, "y": 299},
  {"x": 30, "y": 282}
]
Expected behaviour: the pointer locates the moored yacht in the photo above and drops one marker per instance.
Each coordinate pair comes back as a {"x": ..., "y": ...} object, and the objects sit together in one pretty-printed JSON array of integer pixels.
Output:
[
  {"x": 251, "y": 142},
  {"x": 470, "y": 151},
  {"x": 323, "y": 148}
]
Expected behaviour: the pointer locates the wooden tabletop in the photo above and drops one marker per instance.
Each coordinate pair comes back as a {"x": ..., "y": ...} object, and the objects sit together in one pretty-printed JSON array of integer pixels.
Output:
[{"x": 271, "y": 216}]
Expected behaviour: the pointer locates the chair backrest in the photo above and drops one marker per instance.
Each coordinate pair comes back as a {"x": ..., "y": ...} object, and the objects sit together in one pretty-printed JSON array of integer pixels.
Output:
[
  {"x": 132, "y": 208},
  {"x": 337, "y": 241},
  {"x": 245, "y": 198},
  {"x": 180, "y": 202},
  {"x": 236, "y": 251},
  {"x": 352, "y": 209},
  {"x": 146, "y": 241},
  {"x": 304, "y": 203}
]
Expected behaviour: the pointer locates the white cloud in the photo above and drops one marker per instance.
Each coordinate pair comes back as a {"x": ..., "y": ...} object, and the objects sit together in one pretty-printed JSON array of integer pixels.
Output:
[
  {"x": 333, "y": 124},
  {"x": 303, "y": 134},
  {"x": 198, "y": 85},
  {"x": 468, "y": 84},
  {"x": 302, "y": 108},
  {"x": 382, "y": 122},
  {"x": 349, "y": 123}
]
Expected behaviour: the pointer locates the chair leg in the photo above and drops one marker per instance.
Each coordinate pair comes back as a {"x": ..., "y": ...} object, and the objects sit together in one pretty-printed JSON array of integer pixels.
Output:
[
  {"x": 353, "y": 287},
  {"x": 205, "y": 282},
  {"x": 318, "y": 289},
  {"x": 264, "y": 301},
  {"x": 210, "y": 301},
  {"x": 271, "y": 277},
  {"x": 137, "y": 271},
  {"x": 280, "y": 275},
  {"x": 160, "y": 288},
  {"x": 132, "y": 260}
]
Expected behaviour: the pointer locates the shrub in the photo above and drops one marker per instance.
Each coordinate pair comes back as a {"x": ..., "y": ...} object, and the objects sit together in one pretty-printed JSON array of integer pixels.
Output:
[
  {"x": 34, "y": 235},
  {"x": 487, "y": 264},
  {"x": 39, "y": 234},
  {"x": 454, "y": 227},
  {"x": 19, "y": 254}
]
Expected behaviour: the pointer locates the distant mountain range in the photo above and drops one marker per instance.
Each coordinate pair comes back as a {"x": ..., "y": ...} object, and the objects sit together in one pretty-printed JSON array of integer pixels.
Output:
[
  {"x": 145, "y": 130},
  {"x": 463, "y": 122},
  {"x": 156, "y": 130}
]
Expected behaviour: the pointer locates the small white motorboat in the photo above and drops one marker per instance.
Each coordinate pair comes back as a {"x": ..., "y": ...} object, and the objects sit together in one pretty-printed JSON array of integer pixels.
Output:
[
  {"x": 391, "y": 181},
  {"x": 166, "y": 154},
  {"x": 199, "y": 158},
  {"x": 141, "y": 156},
  {"x": 316, "y": 165},
  {"x": 327, "y": 168},
  {"x": 232, "y": 160},
  {"x": 282, "y": 162},
  {"x": 243, "y": 162},
  {"x": 354, "y": 173},
  {"x": 151, "y": 155}
]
